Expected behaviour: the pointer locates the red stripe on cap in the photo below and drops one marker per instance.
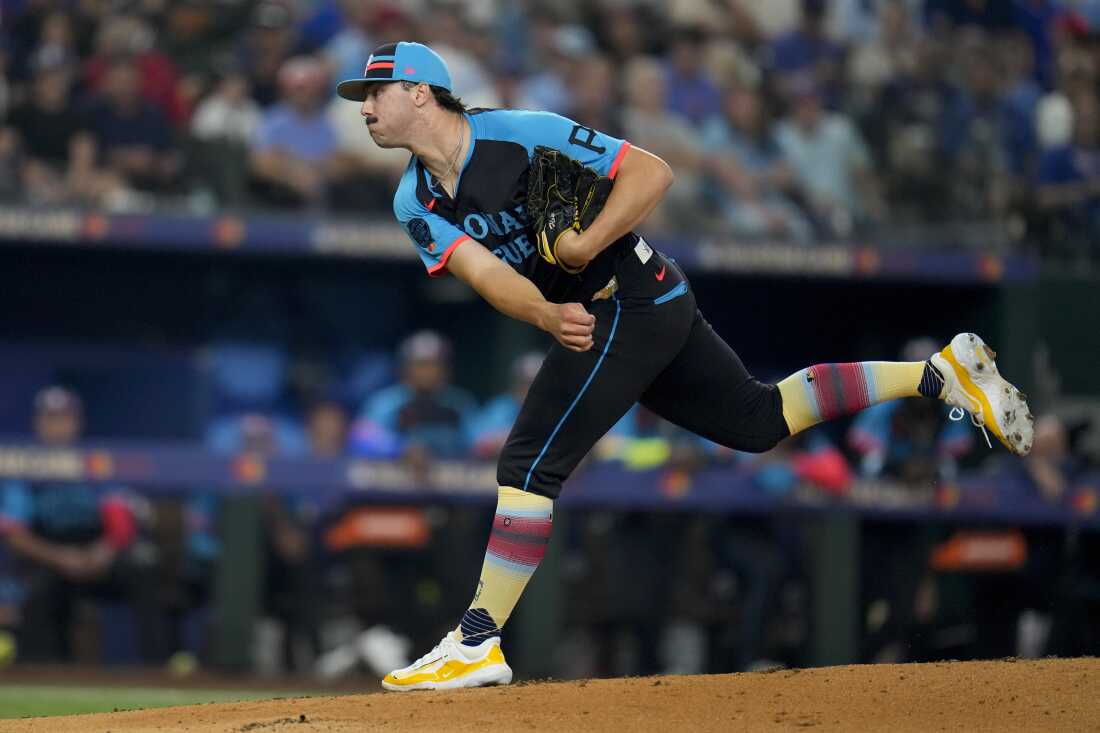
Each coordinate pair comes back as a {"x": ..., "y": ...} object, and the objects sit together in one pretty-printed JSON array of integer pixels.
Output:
[
  {"x": 618, "y": 159},
  {"x": 380, "y": 65},
  {"x": 434, "y": 269}
]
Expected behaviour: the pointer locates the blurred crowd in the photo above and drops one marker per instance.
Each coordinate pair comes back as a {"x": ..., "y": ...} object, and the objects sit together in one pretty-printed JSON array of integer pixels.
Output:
[
  {"x": 971, "y": 121},
  {"x": 103, "y": 573}
]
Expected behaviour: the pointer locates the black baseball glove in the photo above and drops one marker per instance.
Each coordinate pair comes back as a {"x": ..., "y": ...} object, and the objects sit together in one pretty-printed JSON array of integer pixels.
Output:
[{"x": 562, "y": 195}]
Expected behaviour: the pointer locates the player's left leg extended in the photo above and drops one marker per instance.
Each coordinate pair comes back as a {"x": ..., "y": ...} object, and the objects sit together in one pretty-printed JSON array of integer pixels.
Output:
[
  {"x": 963, "y": 374},
  {"x": 707, "y": 390}
]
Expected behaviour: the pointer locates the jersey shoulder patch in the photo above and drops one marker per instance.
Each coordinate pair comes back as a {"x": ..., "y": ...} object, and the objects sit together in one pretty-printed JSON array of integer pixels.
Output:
[{"x": 420, "y": 233}]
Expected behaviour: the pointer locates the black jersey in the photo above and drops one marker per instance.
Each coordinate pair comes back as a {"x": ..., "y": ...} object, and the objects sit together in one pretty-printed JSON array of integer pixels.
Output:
[{"x": 491, "y": 195}]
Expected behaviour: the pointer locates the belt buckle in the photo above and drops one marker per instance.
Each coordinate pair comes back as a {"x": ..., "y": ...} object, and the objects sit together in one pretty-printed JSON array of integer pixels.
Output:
[{"x": 608, "y": 290}]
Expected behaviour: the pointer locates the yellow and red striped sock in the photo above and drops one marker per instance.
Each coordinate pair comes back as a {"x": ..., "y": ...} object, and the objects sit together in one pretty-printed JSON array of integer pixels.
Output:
[
  {"x": 826, "y": 391},
  {"x": 517, "y": 542}
]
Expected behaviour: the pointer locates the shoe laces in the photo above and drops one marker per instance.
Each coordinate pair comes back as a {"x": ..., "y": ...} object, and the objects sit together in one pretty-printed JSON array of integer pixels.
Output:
[
  {"x": 436, "y": 652},
  {"x": 958, "y": 413}
]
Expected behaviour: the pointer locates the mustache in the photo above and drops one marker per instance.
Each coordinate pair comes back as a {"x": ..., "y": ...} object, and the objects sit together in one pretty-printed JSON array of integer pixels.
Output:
[{"x": 369, "y": 119}]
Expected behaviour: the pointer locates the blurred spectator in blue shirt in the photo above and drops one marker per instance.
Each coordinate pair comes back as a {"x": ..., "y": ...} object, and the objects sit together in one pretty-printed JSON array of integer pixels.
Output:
[
  {"x": 808, "y": 52},
  {"x": 1069, "y": 175},
  {"x": 71, "y": 540},
  {"x": 295, "y": 152},
  {"x": 749, "y": 176},
  {"x": 1021, "y": 94},
  {"x": 424, "y": 416},
  {"x": 976, "y": 139},
  {"x": 830, "y": 161},
  {"x": 494, "y": 421},
  {"x": 692, "y": 94}
]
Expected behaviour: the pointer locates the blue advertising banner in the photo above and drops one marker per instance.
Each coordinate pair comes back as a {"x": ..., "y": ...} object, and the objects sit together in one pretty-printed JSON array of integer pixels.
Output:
[
  {"x": 282, "y": 234},
  {"x": 1000, "y": 497}
]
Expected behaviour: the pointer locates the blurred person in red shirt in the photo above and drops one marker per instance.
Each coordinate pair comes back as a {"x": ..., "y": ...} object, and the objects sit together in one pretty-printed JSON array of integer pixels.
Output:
[
  {"x": 133, "y": 136},
  {"x": 158, "y": 79}
]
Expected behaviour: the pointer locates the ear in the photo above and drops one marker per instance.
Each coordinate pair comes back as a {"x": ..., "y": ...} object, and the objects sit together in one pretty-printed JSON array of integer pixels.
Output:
[{"x": 421, "y": 94}]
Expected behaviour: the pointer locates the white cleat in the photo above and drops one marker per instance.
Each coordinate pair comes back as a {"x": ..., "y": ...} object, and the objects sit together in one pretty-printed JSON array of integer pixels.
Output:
[
  {"x": 452, "y": 665},
  {"x": 972, "y": 383}
]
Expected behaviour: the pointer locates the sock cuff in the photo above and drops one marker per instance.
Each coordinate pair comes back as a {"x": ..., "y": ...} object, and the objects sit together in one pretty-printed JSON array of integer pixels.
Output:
[
  {"x": 931, "y": 381},
  {"x": 477, "y": 626},
  {"x": 515, "y": 500}
]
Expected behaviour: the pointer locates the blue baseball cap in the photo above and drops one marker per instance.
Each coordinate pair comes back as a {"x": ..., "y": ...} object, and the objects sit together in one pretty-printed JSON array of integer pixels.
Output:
[{"x": 403, "y": 61}]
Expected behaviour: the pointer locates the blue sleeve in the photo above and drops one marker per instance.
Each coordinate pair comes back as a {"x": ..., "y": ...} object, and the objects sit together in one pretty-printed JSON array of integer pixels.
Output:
[
  {"x": 16, "y": 506},
  {"x": 592, "y": 148},
  {"x": 434, "y": 237}
]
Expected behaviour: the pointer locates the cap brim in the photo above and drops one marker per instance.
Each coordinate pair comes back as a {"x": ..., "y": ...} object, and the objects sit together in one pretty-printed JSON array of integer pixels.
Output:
[
  {"x": 352, "y": 89},
  {"x": 355, "y": 90}
]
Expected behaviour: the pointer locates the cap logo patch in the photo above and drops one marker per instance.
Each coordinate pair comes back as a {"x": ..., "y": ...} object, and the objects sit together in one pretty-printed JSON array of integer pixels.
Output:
[{"x": 409, "y": 71}]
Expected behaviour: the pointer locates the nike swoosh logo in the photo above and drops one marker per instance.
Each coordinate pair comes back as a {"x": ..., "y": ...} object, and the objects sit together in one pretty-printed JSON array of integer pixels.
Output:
[{"x": 660, "y": 274}]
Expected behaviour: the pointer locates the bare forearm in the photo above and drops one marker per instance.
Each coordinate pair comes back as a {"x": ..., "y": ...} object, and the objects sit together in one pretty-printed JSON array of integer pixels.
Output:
[
  {"x": 516, "y": 296},
  {"x": 512, "y": 295},
  {"x": 637, "y": 191}
]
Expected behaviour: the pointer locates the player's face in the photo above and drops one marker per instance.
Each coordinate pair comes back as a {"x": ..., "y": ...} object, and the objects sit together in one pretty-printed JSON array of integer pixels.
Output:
[{"x": 387, "y": 111}]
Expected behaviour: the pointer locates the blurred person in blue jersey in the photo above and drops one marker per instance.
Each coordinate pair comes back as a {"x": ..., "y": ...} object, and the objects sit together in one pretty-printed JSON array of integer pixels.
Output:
[
  {"x": 422, "y": 417},
  {"x": 71, "y": 541}
]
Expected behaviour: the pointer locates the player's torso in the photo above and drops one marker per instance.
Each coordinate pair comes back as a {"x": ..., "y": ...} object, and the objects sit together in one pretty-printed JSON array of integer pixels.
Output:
[{"x": 490, "y": 206}]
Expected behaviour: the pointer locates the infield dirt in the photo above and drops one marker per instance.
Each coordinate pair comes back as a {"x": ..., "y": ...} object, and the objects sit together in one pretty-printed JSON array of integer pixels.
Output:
[{"x": 1044, "y": 695}]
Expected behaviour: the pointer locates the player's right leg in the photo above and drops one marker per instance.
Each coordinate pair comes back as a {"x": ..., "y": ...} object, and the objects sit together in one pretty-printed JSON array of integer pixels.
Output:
[{"x": 573, "y": 402}]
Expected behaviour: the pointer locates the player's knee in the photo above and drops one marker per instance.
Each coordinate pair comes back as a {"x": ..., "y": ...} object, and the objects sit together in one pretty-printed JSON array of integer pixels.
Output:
[{"x": 765, "y": 427}]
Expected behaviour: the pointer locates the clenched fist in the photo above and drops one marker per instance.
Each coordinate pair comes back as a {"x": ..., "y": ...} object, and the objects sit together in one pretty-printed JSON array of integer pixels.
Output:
[{"x": 570, "y": 324}]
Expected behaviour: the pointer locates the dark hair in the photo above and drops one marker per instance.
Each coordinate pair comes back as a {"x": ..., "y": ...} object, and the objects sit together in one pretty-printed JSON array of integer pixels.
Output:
[
  {"x": 443, "y": 98},
  {"x": 448, "y": 101}
]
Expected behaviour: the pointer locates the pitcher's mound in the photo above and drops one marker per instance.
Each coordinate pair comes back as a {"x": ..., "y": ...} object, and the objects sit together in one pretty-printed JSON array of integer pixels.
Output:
[{"x": 1051, "y": 694}]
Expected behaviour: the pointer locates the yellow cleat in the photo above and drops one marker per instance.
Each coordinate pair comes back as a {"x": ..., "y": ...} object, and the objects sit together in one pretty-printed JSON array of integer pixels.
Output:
[
  {"x": 452, "y": 665},
  {"x": 973, "y": 384}
]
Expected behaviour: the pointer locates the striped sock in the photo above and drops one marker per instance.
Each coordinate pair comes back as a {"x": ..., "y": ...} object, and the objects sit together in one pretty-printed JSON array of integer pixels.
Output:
[
  {"x": 826, "y": 391},
  {"x": 520, "y": 534}
]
